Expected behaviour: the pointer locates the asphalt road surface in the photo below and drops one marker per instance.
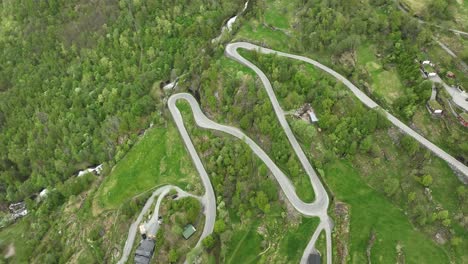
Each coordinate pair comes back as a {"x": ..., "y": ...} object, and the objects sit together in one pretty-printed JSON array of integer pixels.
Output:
[{"x": 209, "y": 199}]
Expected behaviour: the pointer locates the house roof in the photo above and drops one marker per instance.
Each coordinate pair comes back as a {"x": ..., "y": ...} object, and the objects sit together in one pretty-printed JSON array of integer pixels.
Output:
[
  {"x": 141, "y": 260},
  {"x": 313, "y": 117},
  {"x": 189, "y": 230},
  {"x": 314, "y": 258},
  {"x": 147, "y": 245},
  {"x": 144, "y": 250}
]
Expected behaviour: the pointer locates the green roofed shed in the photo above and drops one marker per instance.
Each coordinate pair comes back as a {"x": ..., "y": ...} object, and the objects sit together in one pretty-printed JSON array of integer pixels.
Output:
[{"x": 189, "y": 230}]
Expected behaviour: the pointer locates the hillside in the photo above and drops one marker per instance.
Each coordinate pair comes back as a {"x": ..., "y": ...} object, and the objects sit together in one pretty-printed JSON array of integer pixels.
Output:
[{"x": 83, "y": 84}]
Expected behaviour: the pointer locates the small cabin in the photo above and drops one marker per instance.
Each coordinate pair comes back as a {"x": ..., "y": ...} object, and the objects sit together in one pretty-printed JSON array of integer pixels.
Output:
[
  {"x": 435, "y": 107},
  {"x": 189, "y": 230},
  {"x": 313, "y": 117}
]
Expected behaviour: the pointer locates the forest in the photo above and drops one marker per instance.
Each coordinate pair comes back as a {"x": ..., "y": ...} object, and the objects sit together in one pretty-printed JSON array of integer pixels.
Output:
[{"x": 78, "y": 80}]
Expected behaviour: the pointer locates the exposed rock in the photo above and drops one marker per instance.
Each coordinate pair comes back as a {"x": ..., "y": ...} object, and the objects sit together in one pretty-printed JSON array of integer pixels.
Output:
[
  {"x": 10, "y": 252},
  {"x": 428, "y": 193},
  {"x": 440, "y": 238},
  {"x": 400, "y": 254}
]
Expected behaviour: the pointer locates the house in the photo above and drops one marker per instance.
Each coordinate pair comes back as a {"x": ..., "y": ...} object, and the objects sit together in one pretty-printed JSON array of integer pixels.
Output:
[
  {"x": 313, "y": 117},
  {"x": 18, "y": 210},
  {"x": 314, "y": 258},
  {"x": 144, "y": 251},
  {"x": 450, "y": 75},
  {"x": 434, "y": 107},
  {"x": 43, "y": 193},
  {"x": 189, "y": 230},
  {"x": 97, "y": 170}
]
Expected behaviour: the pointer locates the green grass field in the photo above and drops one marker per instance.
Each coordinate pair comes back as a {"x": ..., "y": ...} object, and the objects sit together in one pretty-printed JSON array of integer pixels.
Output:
[
  {"x": 244, "y": 246},
  {"x": 13, "y": 234},
  {"x": 279, "y": 13},
  {"x": 159, "y": 158},
  {"x": 370, "y": 210},
  {"x": 293, "y": 244},
  {"x": 258, "y": 33},
  {"x": 385, "y": 83}
]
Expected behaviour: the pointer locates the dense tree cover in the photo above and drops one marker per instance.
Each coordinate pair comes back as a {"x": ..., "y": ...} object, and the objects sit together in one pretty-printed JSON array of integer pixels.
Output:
[
  {"x": 349, "y": 133},
  {"x": 399, "y": 40},
  {"x": 245, "y": 194},
  {"x": 75, "y": 79},
  {"x": 244, "y": 104},
  {"x": 341, "y": 27}
]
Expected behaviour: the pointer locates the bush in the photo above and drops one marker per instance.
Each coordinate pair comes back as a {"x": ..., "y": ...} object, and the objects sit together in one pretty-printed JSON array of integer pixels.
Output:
[
  {"x": 208, "y": 242},
  {"x": 426, "y": 180},
  {"x": 173, "y": 256}
]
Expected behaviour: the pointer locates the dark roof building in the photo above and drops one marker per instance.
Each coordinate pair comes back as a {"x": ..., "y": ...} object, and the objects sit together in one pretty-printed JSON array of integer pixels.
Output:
[
  {"x": 314, "y": 258},
  {"x": 144, "y": 251}
]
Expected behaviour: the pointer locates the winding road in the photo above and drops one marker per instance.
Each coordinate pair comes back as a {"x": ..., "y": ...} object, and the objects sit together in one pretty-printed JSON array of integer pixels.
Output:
[
  {"x": 231, "y": 51},
  {"x": 317, "y": 208}
]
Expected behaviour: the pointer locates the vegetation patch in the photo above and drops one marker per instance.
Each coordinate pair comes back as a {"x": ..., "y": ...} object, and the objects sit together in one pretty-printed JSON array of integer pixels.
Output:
[
  {"x": 158, "y": 158},
  {"x": 372, "y": 211}
]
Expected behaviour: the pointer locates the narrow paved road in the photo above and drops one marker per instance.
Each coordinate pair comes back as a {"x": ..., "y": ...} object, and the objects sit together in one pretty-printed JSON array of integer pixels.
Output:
[
  {"x": 231, "y": 51},
  {"x": 209, "y": 198},
  {"x": 317, "y": 208},
  {"x": 152, "y": 226},
  {"x": 451, "y": 53},
  {"x": 134, "y": 226}
]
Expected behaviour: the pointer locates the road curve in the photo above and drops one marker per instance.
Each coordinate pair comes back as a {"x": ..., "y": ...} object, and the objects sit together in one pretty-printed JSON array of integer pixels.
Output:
[
  {"x": 209, "y": 199},
  {"x": 231, "y": 51},
  {"x": 317, "y": 208}
]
